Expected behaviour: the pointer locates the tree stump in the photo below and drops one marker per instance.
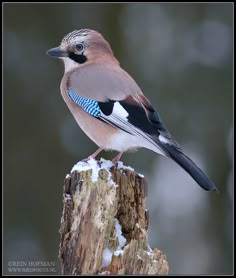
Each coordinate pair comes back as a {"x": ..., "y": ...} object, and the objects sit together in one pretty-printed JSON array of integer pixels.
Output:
[{"x": 104, "y": 222}]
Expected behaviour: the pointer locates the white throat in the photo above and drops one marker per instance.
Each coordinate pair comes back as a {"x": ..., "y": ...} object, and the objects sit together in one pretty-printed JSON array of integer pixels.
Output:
[{"x": 69, "y": 64}]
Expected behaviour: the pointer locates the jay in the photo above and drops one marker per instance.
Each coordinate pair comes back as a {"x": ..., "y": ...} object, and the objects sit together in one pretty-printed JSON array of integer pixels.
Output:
[{"x": 109, "y": 106}]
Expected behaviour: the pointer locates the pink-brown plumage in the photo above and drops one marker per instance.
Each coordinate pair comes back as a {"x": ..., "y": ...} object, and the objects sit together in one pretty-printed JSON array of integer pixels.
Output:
[{"x": 109, "y": 106}]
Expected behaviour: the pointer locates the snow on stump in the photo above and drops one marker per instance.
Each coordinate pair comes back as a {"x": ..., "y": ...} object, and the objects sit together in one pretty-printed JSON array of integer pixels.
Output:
[{"x": 104, "y": 222}]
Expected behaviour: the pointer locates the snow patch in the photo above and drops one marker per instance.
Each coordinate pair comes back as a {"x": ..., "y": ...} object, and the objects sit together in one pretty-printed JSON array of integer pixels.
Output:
[
  {"x": 98, "y": 165},
  {"x": 120, "y": 165},
  {"x": 121, "y": 239},
  {"x": 67, "y": 196},
  {"x": 95, "y": 166},
  {"x": 106, "y": 257},
  {"x": 149, "y": 249},
  {"x": 118, "y": 252},
  {"x": 107, "y": 253},
  {"x": 149, "y": 253},
  {"x": 87, "y": 165}
]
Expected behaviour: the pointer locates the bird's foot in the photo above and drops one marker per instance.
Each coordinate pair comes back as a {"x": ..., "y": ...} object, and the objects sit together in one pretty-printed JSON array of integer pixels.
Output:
[
  {"x": 116, "y": 159},
  {"x": 93, "y": 155},
  {"x": 87, "y": 159}
]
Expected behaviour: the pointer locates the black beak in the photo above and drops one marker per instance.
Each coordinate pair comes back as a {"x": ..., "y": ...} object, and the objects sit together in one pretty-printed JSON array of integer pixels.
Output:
[{"x": 57, "y": 52}]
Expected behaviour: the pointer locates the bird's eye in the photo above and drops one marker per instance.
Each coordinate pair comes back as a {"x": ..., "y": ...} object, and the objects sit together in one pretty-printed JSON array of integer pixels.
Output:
[{"x": 79, "y": 46}]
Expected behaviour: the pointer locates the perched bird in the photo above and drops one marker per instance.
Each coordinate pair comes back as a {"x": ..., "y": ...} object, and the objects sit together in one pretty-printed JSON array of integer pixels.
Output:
[{"x": 110, "y": 107}]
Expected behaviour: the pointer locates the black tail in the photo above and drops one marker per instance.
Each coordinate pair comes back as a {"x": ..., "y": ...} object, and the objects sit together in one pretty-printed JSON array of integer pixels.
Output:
[{"x": 189, "y": 166}]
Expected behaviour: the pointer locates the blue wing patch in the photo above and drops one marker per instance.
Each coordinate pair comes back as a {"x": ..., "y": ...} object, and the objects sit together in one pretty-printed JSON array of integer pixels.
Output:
[{"x": 89, "y": 105}]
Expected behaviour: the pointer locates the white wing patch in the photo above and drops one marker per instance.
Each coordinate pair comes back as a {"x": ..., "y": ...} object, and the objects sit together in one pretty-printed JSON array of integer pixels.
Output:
[
  {"x": 120, "y": 111},
  {"x": 164, "y": 139},
  {"x": 119, "y": 118}
]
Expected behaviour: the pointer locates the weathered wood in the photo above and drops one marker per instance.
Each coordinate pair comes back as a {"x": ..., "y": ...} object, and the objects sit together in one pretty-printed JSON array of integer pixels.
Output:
[{"x": 92, "y": 215}]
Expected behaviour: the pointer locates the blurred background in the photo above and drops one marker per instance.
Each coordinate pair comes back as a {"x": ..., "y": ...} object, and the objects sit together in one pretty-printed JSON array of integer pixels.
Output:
[{"x": 181, "y": 56}]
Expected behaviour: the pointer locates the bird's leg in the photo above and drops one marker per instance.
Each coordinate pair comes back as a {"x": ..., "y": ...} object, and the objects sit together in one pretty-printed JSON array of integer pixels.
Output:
[
  {"x": 93, "y": 155},
  {"x": 117, "y": 158}
]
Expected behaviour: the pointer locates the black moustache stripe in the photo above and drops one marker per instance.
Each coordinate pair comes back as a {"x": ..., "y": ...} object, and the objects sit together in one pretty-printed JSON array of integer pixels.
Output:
[{"x": 78, "y": 58}]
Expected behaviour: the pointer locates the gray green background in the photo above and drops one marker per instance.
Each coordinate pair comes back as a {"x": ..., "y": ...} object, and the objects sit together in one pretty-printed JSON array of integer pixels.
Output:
[{"x": 181, "y": 57}]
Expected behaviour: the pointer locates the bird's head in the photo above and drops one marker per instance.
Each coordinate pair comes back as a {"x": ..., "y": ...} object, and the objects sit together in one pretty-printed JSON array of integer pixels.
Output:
[{"x": 83, "y": 46}]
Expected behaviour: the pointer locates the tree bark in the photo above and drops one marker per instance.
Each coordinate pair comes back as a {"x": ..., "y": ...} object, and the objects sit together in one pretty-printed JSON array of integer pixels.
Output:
[{"x": 95, "y": 213}]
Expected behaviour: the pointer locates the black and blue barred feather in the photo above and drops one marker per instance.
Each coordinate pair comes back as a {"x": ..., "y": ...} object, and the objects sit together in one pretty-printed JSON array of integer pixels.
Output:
[{"x": 89, "y": 105}]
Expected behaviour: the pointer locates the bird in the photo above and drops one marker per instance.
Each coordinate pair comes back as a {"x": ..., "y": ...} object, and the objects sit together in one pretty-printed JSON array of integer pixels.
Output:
[{"x": 110, "y": 107}]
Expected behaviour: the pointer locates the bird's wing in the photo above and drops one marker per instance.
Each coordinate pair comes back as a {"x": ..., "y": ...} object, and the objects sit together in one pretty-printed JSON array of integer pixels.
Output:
[
  {"x": 102, "y": 82},
  {"x": 110, "y": 94},
  {"x": 128, "y": 115},
  {"x": 156, "y": 121}
]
